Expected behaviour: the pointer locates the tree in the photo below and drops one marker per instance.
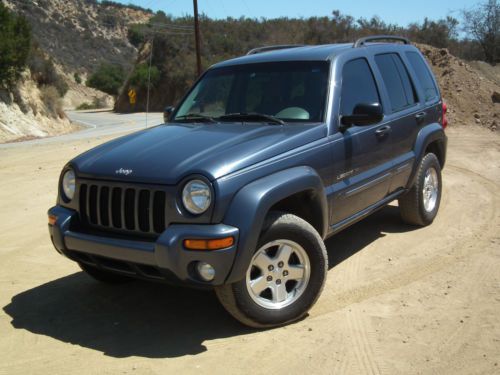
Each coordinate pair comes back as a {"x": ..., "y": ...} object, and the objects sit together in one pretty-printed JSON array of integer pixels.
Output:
[
  {"x": 142, "y": 74},
  {"x": 15, "y": 41},
  {"x": 436, "y": 33},
  {"x": 482, "y": 23},
  {"x": 108, "y": 78}
]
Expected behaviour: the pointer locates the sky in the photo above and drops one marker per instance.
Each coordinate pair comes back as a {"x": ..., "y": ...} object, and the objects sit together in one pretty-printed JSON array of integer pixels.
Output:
[{"x": 391, "y": 11}]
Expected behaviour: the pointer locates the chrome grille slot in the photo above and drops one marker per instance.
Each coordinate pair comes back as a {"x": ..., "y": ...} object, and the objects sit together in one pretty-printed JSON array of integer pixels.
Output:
[
  {"x": 129, "y": 209},
  {"x": 143, "y": 208},
  {"x": 116, "y": 210},
  {"x": 158, "y": 217},
  {"x": 92, "y": 204},
  {"x": 104, "y": 205},
  {"x": 136, "y": 209}
]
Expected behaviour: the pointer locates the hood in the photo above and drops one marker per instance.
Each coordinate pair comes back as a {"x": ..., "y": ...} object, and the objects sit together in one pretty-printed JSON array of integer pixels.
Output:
[{"x": 165, "y": 154}]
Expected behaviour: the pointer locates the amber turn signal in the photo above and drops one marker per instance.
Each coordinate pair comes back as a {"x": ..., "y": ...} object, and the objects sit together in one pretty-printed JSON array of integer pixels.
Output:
[
  {"x": 214, "y": 244},
  {"x": 52, "y": 219}
]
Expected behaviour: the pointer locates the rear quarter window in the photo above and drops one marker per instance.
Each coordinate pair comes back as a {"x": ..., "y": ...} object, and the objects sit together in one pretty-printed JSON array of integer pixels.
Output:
[
  {"x": 423, "y": 75},
  {"x": 397, "y": 81}
]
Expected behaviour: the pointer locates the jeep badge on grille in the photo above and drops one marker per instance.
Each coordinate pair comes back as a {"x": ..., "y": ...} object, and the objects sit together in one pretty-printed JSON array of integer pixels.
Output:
[{"x": 126, "y": 172}]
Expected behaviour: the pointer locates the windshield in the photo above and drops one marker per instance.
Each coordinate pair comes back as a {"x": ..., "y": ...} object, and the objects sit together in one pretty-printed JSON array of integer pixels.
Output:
[{"x": 284, "y": 91}]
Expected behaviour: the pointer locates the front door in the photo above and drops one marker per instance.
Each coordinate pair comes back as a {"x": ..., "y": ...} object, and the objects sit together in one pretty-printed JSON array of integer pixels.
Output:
[{"x": 364, "y": 177}]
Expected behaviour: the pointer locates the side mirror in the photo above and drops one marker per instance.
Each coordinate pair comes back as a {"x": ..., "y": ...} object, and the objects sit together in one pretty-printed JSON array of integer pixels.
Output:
[
  {"x": 167, "y": 112},
  {"x": 363, "y": 114}
]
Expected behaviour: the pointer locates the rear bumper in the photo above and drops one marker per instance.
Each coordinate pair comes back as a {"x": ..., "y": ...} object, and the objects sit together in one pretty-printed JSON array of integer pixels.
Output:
[{"x": 164, "y": 259}]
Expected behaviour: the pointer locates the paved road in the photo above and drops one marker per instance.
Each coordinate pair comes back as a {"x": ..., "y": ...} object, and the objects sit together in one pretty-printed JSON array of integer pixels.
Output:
[{"x": 98, "y": 124}]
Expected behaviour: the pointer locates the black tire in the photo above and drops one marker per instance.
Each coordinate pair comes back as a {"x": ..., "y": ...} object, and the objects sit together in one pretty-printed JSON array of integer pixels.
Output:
[
  {"x": 236, "y": 297},
  {"x": 104, "y": 276},
  {"x": 411, "y": 205}
]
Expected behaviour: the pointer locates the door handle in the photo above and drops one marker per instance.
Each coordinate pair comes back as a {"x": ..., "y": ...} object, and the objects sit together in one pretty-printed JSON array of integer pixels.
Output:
[
  {"x": 420, "y": 116},
  {"x": 383, "y": 131}
]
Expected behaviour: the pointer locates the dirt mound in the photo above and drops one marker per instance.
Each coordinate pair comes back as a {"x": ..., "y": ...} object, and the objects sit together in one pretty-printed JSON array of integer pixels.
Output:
[
  {"x": 489, "y": 71},
  {"x": 469, "y": 94}
]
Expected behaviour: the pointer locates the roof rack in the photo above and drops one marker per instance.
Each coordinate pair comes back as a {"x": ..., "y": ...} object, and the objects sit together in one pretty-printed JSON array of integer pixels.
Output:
[
  {"x": 272, "y": 48},
  {"x": 362, "y": 41}
]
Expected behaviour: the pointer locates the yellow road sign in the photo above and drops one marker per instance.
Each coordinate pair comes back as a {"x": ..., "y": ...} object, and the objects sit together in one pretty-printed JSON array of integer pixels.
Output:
[{"x": 132, "y": 96}]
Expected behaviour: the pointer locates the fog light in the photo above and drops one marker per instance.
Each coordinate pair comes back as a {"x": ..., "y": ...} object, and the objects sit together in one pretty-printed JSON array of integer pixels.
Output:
[{"x": 206, "y": 271}]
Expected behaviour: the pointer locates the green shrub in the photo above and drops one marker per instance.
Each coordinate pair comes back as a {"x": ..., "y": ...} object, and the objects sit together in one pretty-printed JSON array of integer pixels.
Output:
[
  {"x": 140, "y": 76},
  {"x": 52, "y": 100},
  {"x": 15, "y": 40},
  {"x": 136, "y": 34},
  {"x": 125, "y": 6},
  {"x": 84, "y": 106},
  {"x": 108, "y": 78},
  {"x": 96, "y": 104},
  {"x": 44, "y": 72},
  {"x": 77, "y": 78}
]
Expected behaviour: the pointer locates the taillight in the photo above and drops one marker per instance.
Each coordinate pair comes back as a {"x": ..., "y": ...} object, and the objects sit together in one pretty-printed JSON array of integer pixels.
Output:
[{"x": 444, "y": 122}]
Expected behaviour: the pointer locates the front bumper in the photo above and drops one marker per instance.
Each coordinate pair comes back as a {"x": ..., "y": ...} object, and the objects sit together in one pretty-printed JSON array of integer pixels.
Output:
[{"x": 164, "y": 259}]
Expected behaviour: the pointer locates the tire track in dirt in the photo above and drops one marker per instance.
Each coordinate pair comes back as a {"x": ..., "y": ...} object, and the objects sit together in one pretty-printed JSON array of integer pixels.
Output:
[
  {"x": 451, "y": 345},
  {"x": 360, "y": 330},
  {"x": 361, "y": 354}
]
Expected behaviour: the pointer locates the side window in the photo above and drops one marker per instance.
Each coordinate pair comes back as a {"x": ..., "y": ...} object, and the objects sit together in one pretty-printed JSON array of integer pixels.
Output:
[
  {"x": 397, "y": 81},
  {"x": 423, "y": 75},
  {"x": 358, "y": 86}
]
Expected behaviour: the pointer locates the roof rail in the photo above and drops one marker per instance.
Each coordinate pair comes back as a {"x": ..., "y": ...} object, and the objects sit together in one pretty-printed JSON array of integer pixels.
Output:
[
  {"x": 362, "y": 41},
  {"x": 272, "y": 48}
]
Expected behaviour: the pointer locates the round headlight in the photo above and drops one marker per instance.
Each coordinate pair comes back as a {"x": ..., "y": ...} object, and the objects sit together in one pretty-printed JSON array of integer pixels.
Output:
[
  {"x": 68, "y": 184},
  {"x": 196, "y": 196}
]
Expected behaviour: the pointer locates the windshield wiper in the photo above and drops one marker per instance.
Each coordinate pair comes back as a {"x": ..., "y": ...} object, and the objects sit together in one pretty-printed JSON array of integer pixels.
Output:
[
  {"x": 195, "y": 117},
  {"x": 252, "y": 117}
]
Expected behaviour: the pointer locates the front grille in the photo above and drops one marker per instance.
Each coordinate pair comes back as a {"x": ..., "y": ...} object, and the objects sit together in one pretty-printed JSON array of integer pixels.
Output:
[{"x": 132, "y": 209}]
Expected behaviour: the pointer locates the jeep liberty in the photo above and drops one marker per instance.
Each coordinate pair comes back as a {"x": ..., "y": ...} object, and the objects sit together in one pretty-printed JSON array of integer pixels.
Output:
[{"x": 265, "y": 157}]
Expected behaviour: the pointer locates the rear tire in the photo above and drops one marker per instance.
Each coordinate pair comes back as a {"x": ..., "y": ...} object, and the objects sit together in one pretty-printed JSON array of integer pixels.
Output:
[
  {"x": 285, "y": 277},
  {"x": 421, "y": 204},
  {"x": 104, "y": 276}
]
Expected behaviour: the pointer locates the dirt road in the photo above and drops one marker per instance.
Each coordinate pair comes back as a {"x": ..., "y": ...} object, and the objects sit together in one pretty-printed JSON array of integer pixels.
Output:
[{"x": 397, "y": 300}]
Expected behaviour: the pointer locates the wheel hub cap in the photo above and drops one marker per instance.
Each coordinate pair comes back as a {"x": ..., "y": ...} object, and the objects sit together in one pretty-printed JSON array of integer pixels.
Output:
[
  {"x": 430, "y": 189},
  {"x": 278, "y": 274}
]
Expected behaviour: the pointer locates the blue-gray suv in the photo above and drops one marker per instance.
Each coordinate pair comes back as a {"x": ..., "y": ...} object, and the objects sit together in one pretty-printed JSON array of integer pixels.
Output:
[{"x": 264, "y": 158}]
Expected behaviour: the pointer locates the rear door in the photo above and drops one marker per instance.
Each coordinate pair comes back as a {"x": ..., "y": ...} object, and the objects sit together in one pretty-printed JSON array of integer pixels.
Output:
[
  {"x": 403, "y": 112},
  {"x": 426, "y": 86},
  {"x": 363, "y": 177}
]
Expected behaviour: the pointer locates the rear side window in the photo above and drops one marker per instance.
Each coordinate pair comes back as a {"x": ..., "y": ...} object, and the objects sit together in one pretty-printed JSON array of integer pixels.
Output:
[
  {"x": 424, "y": 75},
  {"x": 358, "y": 86},
  {"x": 397, "y": 81}
]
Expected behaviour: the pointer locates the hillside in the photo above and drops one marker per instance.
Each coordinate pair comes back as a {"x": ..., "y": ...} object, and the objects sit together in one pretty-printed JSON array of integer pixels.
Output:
[
  {"x": 80, "y": 34},
  {"x": 28, "y": 111},
  {"x": 74, "y": 37}
]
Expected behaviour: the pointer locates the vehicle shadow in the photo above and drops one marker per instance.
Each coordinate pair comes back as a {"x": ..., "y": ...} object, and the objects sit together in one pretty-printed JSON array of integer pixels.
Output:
[
  {"x": 353, "y": 239},
  {"x": 153, "y": 320}
]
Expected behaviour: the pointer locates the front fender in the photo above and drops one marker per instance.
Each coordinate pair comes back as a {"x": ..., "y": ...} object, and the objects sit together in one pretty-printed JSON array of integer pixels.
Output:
[{"x": 249, "y": 207}]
